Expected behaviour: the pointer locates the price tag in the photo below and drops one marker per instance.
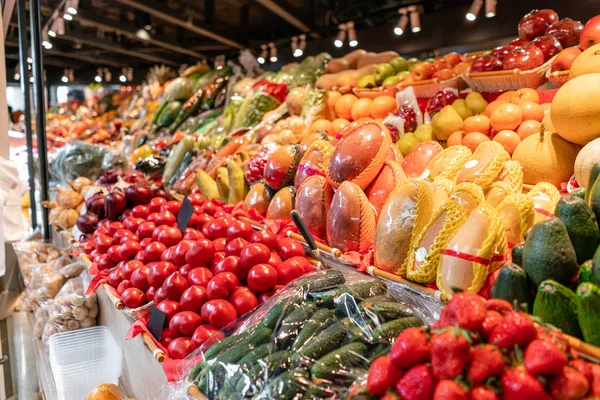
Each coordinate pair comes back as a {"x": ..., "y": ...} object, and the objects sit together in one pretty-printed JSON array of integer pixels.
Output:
[
  {"x": 156, "y": 322},
  {"x": 185, "y": 213}
]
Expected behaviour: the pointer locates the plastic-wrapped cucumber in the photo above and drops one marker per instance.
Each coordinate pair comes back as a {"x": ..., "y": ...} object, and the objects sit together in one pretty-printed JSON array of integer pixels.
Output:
[
  {"x": 390, "y": 330},
  {"x": 318, "y": 321},
  {"x": 361, "y": 290},
  {"x": 245, "y": 364},
  {"x": 388, "y": 311},
  {"x": 340, "y": 362},
  {"x": 327, "y": 340},
  {"x": 264, "y": 369},
  {"x": 317, "y": 283},
  {"x": 280, "y": 310},
  {"x": 286, "y": 386},
  {"x": 292, "y": 324}
]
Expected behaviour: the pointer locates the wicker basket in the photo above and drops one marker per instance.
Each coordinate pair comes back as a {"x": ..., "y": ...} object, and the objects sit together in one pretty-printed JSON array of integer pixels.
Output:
[
  {"x": 375, "y": 92},
  {"x": 500, "y": 81},
  {"x": 558, "y": 78},
  {"x": 429, "y": 87}
]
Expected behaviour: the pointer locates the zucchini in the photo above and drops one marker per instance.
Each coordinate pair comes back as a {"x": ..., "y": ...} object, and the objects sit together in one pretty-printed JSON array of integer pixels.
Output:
[
  {"x": 264, "y": 370},
  {"x": 292, "y": 324},
  {"x": 185, "y": 162},
  {"x": 324, "y": 281},
  {"x": 169, "y": 113},
  {"x": 185, "y": 145},
  {"x": 158, "y": 111},
  {"x": 388, "y": 311},
  {"x": 327, "y": 340},
  {"x": 286, "y": 386},
  {"x": 390, "y": 330},
  {"x": 340, "y": 362},
  {"x": 318, "y": 321}
]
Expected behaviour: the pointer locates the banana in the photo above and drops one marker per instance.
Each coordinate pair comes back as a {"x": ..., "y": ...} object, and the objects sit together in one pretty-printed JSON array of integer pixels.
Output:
[
  {"x": 206, "y": 184},
  {"x": 223, "y": 183},
  {"x": 238, "y": 188}
]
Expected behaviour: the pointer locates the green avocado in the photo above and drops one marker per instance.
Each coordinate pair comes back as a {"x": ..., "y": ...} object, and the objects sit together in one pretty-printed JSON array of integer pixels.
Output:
[
  {"x": 557, "y": 305},
  {"x": 588, "y": 312},
  {"x": 581, "y": 226},
  {"x": 512, "y": 285}
]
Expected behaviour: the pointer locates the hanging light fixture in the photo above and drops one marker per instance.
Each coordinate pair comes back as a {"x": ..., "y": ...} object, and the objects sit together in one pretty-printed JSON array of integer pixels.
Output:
[
  {"x": 272, "y": 52},
  {"x": 57, "y": 27},
  {"x": 352, "y": 40},
  {"x": 402, "y": 22},
  {"x": 262, "y": 58},
  {"x": 72, "y": 6},
  {"x": 107, "y": 75},
  {"x": 474, "y": 10},
  {"x": 65, "y": 77},
  {"x": 98, "y": 77},
  {"x": 341, "y": 36},
  {"x": 301, "y": 46},
  {"x": 66, "y": 14},
  {"x": 17, "y": 75},
  {"x": 415, "y": 19},
  {"x": 46, "y": 41},
  {"x": 294, "y": 44},
  {"x": 490, "y": 8}
]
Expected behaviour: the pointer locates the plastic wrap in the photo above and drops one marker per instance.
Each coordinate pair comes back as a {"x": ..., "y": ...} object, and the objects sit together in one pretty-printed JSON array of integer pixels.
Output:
[
  {"x": 314, "y": 105},
  {"x": 77, "y": 159},
  {"x": 311, "y": 339},
  {"x": 265, "y": 97},
  {"x": 408, "y": 116}
]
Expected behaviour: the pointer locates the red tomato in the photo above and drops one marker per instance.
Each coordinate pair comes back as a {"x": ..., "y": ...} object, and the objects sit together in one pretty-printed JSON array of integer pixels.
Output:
[
  {"x": 154, "y": 251},
  {"x": 115, "y": 277},
  {"x": 145, "y": 229},
  {"x": 221, "y": 285},
  {"x": 243, "y": 299},
  {"x": 200, "y": 220},
  {"x": 174, "y": 286},
  {"x": 255, "y": 253},
  {"x": 209, "y": 207},
  {"x": 121, "y": 233},
  {"x": 275, "y": 260},
  {"x": 102, "y": 243},
  {"x": 199, "y": 276},
  {"x": 216, "y": 229},
  {"x": 200, "y": 253},
  {"x": 122, "y": 286},
  {"x": 235, "y": 247},
  {"x": 168, "y": 254},
  {"x": 152, "y": 217},
  {"x": 185, "y": 270},
  {"x": 150, "y": 294},
  {"x": 133, "y": 223},
  {"x": 239, "y": 229},
  {"x": 129, "y": 249},
  {"x": 167, "y": 337},
  {"x": 172, "y": 206},
  {"x": 218, "y": 313},
  {"x": 113, "y": 227},
  {"x": 165, "y": 218},
  {"x": 169, "y": 236},
  {"x": 145, "y": 242},
  {"x": 180, "y": 251},
  {"x": 220, "y": 244},
  {"x": 203, "y": 333},
  {"x": 104, "y": 262},
  {"x": 180, "y": 347},
  {"x": 129, "y": 236},
  {"x": 262, "y": 277},
  {"x": 156, "y": 203},
  {"x": 291, "y": 269},
  {"x": 220, "y": 255},
  {"x": 139, "y": 277},
  {"x": 196, "y": 199},
  {"x": 159, "y": 296},
  {"x": 129, "y": 267},
  {"x": 193, "y": 299},
  {"x": 220, "y": 214},
  {"x": 192, "y": 234},
  {"x": 159, "y": 272},
  {"x": 141, "y": 256},
  {"x": 186, "y": 322},
  {"x": 230, "y": 264},
  {"x": 263, "y": 297},
  {"x": 170, "y": 308},
  {"x": 198, "y": 210},
  {"x": 266, "y": 237},
  {"x": 288, "y": 248},
  {"x": 113, "y": 253},
  {"x": 133, "y": 297},
  {"x": 140, "y": 212}
]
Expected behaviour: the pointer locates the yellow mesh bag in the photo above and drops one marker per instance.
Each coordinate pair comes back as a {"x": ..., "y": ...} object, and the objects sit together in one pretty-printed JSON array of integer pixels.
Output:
[
  {"x": 441, "y": 192},
  {"x": 500, "y": 254},
  {"x": 545, "y": 196},
  {"x": 314, "y": 161},
  {"x": 426, "y": 248},
  {"x": 512, "y": 174},
  {"x": 448, "y": 163},
  {"x": 497, "y": 192},
  {"x": 517, "y": 214},
  {"x": 468, "y": 195},
  {"x": 485, "y": 165}
]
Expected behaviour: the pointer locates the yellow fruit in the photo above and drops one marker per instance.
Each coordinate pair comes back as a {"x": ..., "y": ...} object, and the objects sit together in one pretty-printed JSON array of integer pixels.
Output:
[
  {"x": 361, "y": 109},
  {"x": 575, "y": 109},
  {"x": 546, "y": 157},
  {"x": 587, "y": 62}
]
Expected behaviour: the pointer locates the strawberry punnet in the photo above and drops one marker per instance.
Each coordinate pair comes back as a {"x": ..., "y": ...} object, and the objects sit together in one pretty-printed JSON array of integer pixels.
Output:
[
  {"x": 449, "y": 390},
  {"x": 410, "y": 348},
  {"x": 518, "y": 384},
  {"x": 544, "y": 358},
  {"x": 450, "y": 353},
  {"x": 465, "y": 309},
  {"x": 515, "y": 329},
  {"x": 486, "y": 361},
  {"x": 482, "y": 393},
  {"x": 383, "y": 375},
  {"x": 569, "y": 385},
  {"x": 417, "y": 384}
]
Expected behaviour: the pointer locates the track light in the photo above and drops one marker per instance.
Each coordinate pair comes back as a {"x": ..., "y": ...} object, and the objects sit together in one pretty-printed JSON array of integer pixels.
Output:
[
  {"x": 490, "y": 8},
  {"x": 98, "y": 77},
  {"x": 474, "y": 10},
  {"x": 31, "y": 79},
  {"x": 273, "y": 52},
  {"x": 262, "y": 58},
  {"x": 46, "y": 41},
  {"x": 67, "y": 16},
  {"x": 107, "y": 75},
  {"x": 123, "y": 78},
  {"x": 352, "y": 40},
  {"x": 301, "y": 46},
  {"x": 57, "y": 27},
  {"x": 402, "y": 22},
  {"x": 72, "y": 6},
  {"x": 415, "y": 20},
  {"x": 294, "y": 45},
  {"x": 341, "y": 36},
  {"x": 17, "y": 76},
  {"x": 29, "y": 60},
  {"x": 142, "y": 34}
]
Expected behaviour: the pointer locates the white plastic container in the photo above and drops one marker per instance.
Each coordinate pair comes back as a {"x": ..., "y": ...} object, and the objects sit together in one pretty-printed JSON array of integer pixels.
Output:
[{"x": 82, "y": 359}]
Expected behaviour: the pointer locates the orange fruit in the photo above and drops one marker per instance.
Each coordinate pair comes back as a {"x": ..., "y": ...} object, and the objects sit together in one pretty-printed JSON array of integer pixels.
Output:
[
  {"x": 382, "y": 106},
  {"x": 525, "y": 94},
  {"x": 455, "y": 139},
  {"x": 507, "y": 96},
  {"x": 322, "y": 125},
  {"x": 528, "y": 128},
  {"x": 509, "y": 139},
  {"x": 506, "y": 116},
  {"x": 339, "y": 124},
  {"x": 492, "y": 107},
  {"x": 332, "y": 98},
  {"x": 476, "y": 123},
  {"x": 474, "y": 139},
  {"x": 531, "y": 110},
  {"x": 361, "y": 109},
  {"x": 343, "y": 106}
]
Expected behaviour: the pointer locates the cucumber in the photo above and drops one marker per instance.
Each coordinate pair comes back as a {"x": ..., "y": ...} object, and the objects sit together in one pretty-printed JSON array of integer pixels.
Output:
[
  {"x": 346, "y": 306},
  {"x": 264, "y": 370},
  {"x": 292, "y": 324},
  {"x": 356, "y": 333},
  {"x": 390, "y": 330},
  {"x": 361, "y": 290},
  {"x": 245, "y": 364},
  {"x": 327, "y": 340},
  {"x": 326, "y": 280},
  {"x": 169, "y": 113},
  {"x": 388, "y": 311},
  {"x": 318, "y": 321},
  {"x": 279, "y": 311},
  {"x": 185, "y": 162},
  {"x": 340, "y": 362},
  {"x": 286, "y": 386},
  {"x": 384, "y": 298},
  {"x": 378, "y": 351}
]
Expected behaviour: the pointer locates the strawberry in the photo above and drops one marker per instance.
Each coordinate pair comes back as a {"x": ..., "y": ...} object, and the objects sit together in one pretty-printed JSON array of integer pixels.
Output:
[
  {"x": 569, "y": 385},
  {"x": 383, "y": 375},
  {"x": 450, "y": 353},
  {"x": 585, "y": 368},
  {"x": 595, "y": 387},
  {"x": 390, "y": 396},
  {"x": 518, "y": 384},
  {"x": 516, "y": 329},
  {"x": 465, "y": 309},
  {"x": 417, "y": 383},
  {"x": 544, "y": 358},
  {"x": 502, "y": 306},
  {"x": 553, "y": 336},
  {"x": 492, "y": 318},
  {"x": 449, "y": 390},
  {"x": 411, "y": 348},
  {"x": 486, "y": 361},
  {"x": 482, "y": 393}
]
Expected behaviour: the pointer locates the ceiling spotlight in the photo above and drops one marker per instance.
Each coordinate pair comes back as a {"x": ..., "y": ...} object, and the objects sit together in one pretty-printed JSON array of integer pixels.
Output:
[
  {"x": 29, "y": 60},
  {"x": 272, "y": 52},
  {"x": 490, "y": 8},
  {"x": 31, "y": 79},
  {"x": 72, "y": 6},
  {"x": 352, "y": 40},
  {"x": 98, "y": 77},
  {"x": 341, "y": 36},
  {"x": 262, "y": 58},
  {"x": 415, "y": 20},
  {"x": 123, "y": 78},
  {"x": 46, "y": 40},
  {"x": 142, "y": 34},
  {"x": 17, "y": 76},
  {"x": 474, "y": 10},
  {"x": 67, "y": 16},
  {"x": 65, "y": 79},
  {"x": 402, "y": 22},
  {"x": 51, "y": 32},
  {"x": 301, "y": 46}
]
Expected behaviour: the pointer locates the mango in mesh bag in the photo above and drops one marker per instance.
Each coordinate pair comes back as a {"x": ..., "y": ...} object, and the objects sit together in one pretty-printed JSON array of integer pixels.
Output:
[
  {"x": 417, "y": 159},
  {"x": 468, "y": 195},
  {"x": 485, "y": 165},
  {"x": 359, "y": 156},
  {"x": 314, "y": 161},
  {"x": 466, "y": 259},
  {"x": 389, "y": 176},
  {"x": 351, "y": 219},
  {"x": 406, "y": 211},
  {"x": 313, "y": 201},
  {"x": 442, "y": 188},
  {"x": 497, "y": 192},
  {"x": 512, "y": 175},
  {"x": 545, "y": 196},
  {"x": 448, "y": 163},
  {"x": 427, "y": 247}
]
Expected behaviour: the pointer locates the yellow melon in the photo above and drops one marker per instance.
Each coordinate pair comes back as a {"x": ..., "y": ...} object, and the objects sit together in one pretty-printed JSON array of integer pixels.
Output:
[
  {"x": 575, "y": 110},
  {"x": 587, "y": 62},
  {"x": 587, "y": 157},
  {"x": 546, "y": 157}
]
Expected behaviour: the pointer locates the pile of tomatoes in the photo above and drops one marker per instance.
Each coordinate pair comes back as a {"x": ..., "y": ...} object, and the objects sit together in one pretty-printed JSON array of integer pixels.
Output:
[{"x": 217, "y": 270}]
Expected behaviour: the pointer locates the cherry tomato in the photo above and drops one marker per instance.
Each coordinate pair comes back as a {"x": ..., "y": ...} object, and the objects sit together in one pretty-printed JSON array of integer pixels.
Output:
[
  {"x": 104, "y": 262},
  {"x": 130, "y": 266},
  {"x": 196, "y": 199},
  {"x": 172, "y": 206},
  {"x": 156, "y": 203},
  {"x": 255, "y": 253},
  {"x": 132, "y": 223},
  {"x": 192, "y": 234},
  {"x": 95, "y": 254},
  {"x": 154, "y": 251},
  {"x": 262, "y": 277},
  {"x": 266, "y": 237},
  {"x": 180, "y": 347},
  {"x": 174, "y": 286},
  {"x": 169, "y": 236},
  {"x": 243, "y": 299},
  {"x": 159, "y": 296},
  {"x": 165, "y": 218},
  {"x": 291, "y": 269},
  {"x": 146, "y": 229},
  {"x": 159, "y": 272},
  {"x": 102, "y": 243},
  {"x": 113, "y": 253},
  {"x": 200, "y": 253},
  {"x": 288, "y": 248},
  {"x": 113, "y": 227},
  {"x": 185, "y": 269},
  {"x": 220, "y": 255},
  {"x": 145, "y": 242},
  {"x": 218, "y": 313},
  {"x": 240, "y": 229},
  {"x": 220, "y": 214},
  {"x": 133, "y": 297},
  {"x": 263, "y": 297},
  {"x": 129, "y": 249},
  {"x": 140, "y": 212},
  {"x": 150, "y": 294},
  {"x": 115, "y": 277},
  {"x": 122, "y": 286},
  {"x": 193, "y": 299},
  {"x": 170, "y": 308},
  {"x": 275, "y": 260},
  {"x": 167, "y": 336},
  {"x": 203, "y": 333},
  {"x": 139, "y": 277},
  {"x": 235, "y": 247},
  {"x": 186, "y": 322},
  {"x": 230, "y": 264},
  {"x": 103, "y": 225},
  {"x": 199, "y": 276},
  {"x": 180, "y": 251}
]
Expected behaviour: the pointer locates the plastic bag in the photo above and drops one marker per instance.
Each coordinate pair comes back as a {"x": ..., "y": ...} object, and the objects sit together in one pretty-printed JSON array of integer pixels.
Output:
[
  {"x": 77, "y": 159},
  {"x": 35, "y": 252},
  {"x": 265, "y": 97},
  {"x": 407, "y": 117},
  {"x": 315, "y": 336}
]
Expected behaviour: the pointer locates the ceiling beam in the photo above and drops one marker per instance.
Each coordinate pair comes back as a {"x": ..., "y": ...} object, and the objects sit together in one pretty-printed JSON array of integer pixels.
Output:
[
  {"x": 51, "y": 62},
  {"x": 76, "y": 56},
  {"x": 146, "y": 7},
  {"x": 284, "y": 14}
]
